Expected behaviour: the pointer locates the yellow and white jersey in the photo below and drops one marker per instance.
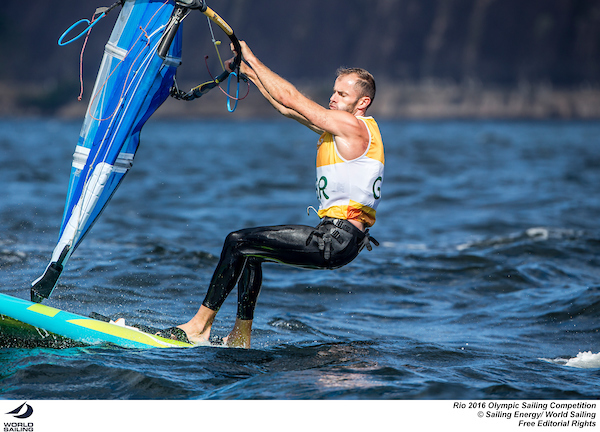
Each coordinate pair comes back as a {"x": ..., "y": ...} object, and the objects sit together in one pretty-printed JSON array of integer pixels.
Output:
[{"x": 350, "y": 189}]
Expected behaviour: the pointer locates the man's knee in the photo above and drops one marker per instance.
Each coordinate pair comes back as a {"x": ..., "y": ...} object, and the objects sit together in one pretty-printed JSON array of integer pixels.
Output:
[{"x": 233, "y": 239}]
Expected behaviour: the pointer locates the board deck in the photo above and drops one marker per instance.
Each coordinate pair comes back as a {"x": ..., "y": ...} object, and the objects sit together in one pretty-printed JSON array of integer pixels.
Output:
[{"x": 27, "y": 324}]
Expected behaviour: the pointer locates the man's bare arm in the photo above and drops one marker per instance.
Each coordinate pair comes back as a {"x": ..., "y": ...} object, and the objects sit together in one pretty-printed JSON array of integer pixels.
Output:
[
  {"x": 349, "y": 130},
  {"x": 290, "y": 113}
]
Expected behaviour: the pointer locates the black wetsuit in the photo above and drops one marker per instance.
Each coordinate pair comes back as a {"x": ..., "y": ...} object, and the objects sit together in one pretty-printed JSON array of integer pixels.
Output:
[{"x": 331, "y": 244}]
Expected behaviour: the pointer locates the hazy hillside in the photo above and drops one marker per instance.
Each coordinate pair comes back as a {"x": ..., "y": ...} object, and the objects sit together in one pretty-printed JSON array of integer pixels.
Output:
[{"x": 458, "y": 46}]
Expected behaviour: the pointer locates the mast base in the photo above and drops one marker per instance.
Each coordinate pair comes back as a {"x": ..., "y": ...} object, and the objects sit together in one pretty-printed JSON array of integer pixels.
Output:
[{"x": 43, "y": 287}]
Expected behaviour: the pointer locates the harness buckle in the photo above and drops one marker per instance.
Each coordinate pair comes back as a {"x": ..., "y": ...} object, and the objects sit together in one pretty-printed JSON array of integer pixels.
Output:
[{"x": 366, "y": 241}]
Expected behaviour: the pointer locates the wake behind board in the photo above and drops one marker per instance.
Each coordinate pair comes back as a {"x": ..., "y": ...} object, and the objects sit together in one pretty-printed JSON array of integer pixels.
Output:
[{"x": 27, "y": 324}]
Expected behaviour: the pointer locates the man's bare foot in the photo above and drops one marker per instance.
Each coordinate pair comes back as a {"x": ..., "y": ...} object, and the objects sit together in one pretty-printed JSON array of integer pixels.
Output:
[
  {"x": 198, "y": 328},
  {"x": 195, "y": 338},
  {"x": 240, "y": 335}
]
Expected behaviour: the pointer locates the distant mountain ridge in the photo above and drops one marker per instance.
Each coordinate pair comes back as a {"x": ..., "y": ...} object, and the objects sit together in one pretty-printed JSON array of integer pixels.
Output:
[
  {"x": 492, "y": 42},
  {"x": 497, "y": 41}
]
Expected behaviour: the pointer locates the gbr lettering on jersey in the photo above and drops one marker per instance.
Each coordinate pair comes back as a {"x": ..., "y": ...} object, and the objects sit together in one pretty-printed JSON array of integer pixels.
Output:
[{"x": 350, "y": 189}]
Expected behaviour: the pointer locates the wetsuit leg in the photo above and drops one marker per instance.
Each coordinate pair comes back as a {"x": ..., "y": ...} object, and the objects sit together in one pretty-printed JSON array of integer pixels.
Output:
[
  {"x": 255, "y": 245},
  {"x": 249, "y": 288},
  {"x": 226, "y": 275},
  {"x": 325, "y": 246}
]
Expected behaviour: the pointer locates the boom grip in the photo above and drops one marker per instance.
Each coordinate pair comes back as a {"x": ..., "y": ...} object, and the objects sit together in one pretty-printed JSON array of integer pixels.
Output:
[
  {"x": 172, "y": 27},
  {"x": 237, "y": 60}
]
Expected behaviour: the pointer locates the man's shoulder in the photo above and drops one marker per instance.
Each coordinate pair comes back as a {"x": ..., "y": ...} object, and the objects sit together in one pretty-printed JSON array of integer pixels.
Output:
[{"x": 367, "y": 119}]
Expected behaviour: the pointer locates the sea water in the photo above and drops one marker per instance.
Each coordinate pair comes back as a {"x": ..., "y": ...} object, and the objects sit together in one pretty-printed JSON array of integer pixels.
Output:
[{"x": 486, "y": 284}]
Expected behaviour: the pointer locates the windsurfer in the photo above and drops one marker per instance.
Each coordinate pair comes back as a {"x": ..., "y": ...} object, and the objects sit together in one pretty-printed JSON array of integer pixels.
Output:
[{"x": 350, "y": 165}]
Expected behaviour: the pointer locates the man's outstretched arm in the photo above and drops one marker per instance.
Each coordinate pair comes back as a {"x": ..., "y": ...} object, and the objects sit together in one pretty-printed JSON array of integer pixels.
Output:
[
  {"x": 290, "y": 113},
  {"x": 247, "y": 69},
  {"x": 286, "y": 98}
]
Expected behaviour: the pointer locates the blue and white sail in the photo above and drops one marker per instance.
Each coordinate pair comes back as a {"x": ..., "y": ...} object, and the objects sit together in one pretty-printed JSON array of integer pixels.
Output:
[
  {"x": 132, "y": 82},
  {"x": 136, "y": 75}
]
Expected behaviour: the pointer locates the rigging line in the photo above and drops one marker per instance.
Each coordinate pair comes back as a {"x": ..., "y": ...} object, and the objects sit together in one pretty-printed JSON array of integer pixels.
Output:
[
  {"x": 99, "y": 13},
  {"x": 124, "y": 81},
  {"x": 219, "y": 86},
  {"x": 102, "y": 11},
  {"x": 126, "y": 86},
  {"x": 142, "y": 67},
  {"x": 89, "y": 175},
  {"x": 237, "y": 92},
  {"x": 89, "y": 171},
  {"x": 119, "y": 64},
  {"x": 147, "y": 59},
  {"x": 215, "y": 42},
  {"x": 81, "y": 58}
]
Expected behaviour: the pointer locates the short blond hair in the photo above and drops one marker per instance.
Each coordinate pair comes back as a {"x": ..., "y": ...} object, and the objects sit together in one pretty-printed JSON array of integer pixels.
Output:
[{"x": 365, "y": 83}]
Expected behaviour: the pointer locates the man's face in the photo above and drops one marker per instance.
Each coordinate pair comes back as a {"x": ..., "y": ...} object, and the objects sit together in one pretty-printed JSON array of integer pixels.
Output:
[{"x": 344, "y": 97}]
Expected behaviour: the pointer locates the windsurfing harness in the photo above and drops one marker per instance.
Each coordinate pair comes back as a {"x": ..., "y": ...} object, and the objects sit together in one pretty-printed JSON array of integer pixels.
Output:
[{"x": 135, "y": 77}]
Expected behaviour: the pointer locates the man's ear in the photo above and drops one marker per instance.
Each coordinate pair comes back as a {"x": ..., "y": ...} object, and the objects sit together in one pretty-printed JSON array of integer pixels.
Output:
[{"x": 364, "y": 102}]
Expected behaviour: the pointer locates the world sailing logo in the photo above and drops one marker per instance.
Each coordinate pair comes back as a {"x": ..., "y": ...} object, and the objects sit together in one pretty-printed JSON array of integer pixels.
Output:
[
  {"x": 17, "y": 412},
  {"x": 22, "y": 412}
]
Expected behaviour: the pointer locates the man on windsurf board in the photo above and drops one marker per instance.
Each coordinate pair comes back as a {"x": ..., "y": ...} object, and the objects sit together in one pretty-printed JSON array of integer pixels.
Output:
[{"x": 350, "y": 166}]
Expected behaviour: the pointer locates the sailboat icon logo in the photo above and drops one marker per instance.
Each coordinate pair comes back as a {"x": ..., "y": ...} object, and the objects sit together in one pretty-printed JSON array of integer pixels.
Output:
[{"x": 20, "y": 413}]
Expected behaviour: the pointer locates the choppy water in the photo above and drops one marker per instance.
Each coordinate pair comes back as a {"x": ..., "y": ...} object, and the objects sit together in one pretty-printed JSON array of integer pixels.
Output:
[{"x": 486, "y": 283}]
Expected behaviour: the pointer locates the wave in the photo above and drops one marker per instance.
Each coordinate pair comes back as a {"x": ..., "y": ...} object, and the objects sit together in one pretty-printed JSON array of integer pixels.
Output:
[
  {"x": 584, "y": 360},
  {"x": 9, "y": 257},
  {"x": 534, "y": 234}
]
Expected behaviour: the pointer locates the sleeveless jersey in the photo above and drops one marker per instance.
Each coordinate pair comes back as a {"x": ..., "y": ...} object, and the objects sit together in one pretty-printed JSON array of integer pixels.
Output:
[{"x": 350, "y": 189}]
